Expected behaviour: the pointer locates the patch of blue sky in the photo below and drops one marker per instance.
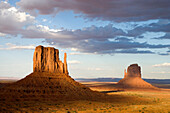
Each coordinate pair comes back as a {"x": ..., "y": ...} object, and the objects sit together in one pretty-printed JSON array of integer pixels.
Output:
[
  {"x": 12, "y": 2},
  {"x": 18, "y": 40},
  {"x": 67, "y": 20}
]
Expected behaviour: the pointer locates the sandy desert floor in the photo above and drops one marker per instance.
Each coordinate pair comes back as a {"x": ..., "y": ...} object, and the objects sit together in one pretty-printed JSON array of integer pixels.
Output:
[{"x": 123, "y": 102}]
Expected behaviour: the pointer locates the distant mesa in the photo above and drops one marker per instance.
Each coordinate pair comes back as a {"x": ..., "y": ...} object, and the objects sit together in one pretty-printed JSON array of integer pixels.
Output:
[
  {"x": 50, "y": 80},
  {"x": 132, "y": 79}
]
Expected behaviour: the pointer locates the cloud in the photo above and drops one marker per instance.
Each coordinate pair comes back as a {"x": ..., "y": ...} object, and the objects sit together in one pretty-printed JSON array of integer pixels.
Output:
[
  {"x": 134, "y": 51},
  {"x": 97, "y": 40},
  {"x": 12, "y": 20},
  {"x": 74, "y": 62},
  {"x": 95, "y": 69},
  {"x": 164, "y": 54},
  {"x": 74, "y": 53},
  {"x": 161, "y": 72},
  {"x": 166, "y": 36},
  {"x": 44, "y": 20},
  {"x": 160, "y": 26},
  {"x": 2, "y": 34},
  {"x": 123, "y": 39},
  {"x": 162, "y": 65},
  {"x": 13, "y": 46},
  {"x": 88, "y": 40},
  {"x": 112, "y": 10},
  {"x": 15, "y": 22}
]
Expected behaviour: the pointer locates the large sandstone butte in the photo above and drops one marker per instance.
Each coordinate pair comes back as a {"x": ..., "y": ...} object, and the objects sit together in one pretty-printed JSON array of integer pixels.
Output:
[
  {"x": 132, "y": 79},
  {"x": 49, "y": 81},
  {"x": 46, "y": 59}
]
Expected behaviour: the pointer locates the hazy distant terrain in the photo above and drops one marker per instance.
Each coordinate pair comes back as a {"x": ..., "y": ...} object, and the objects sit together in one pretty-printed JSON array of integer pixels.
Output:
[
  {"x": 158, "y": 81},
  {"x": 162, "y": 83}
]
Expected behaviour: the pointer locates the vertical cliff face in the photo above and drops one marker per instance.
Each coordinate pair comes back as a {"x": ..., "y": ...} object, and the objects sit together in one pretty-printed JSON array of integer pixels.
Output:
[
  {"x": 133, "y": 71},
  {"x": 46, "y": 59}
]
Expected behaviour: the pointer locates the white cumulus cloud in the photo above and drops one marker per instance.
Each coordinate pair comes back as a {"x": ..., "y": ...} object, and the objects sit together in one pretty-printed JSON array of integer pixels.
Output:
[
  {"x": 74, "y": 62},
  {"x": 162, "y": 65},
  {"x": 161, "y": 72},
  {"x": 13, "y": 46},
  {"x": 95, "y": 69}
]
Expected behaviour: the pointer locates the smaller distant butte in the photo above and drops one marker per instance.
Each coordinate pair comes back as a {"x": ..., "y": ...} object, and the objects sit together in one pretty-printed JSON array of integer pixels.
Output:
[{"x": 132, "y": 79}]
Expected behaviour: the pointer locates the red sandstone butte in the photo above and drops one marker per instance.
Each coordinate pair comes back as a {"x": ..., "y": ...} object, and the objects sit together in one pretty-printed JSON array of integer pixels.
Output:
[
  {"x": 132, "y": 79},
  {"x": 46, "y": 59},
  {"x": 49, "y": 80}
]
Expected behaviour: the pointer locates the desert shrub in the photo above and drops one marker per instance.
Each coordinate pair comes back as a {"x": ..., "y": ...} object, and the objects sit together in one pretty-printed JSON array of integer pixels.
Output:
[{"x": 49, "y": 78}]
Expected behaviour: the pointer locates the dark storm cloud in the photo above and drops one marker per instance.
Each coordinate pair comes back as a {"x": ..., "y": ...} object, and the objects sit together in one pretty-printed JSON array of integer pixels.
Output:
[
  {"x": 93, "y": 32},
  {"x": 112, "y": 10},
  {"x": 100, "y": 40},
  {"x": 123, "y": 39},
  {"x": 134, "y": 51},
  {"x": 166, "y": 36},
  {"x": 106, "y": 47},
  {"x": 163, "y": 54}
]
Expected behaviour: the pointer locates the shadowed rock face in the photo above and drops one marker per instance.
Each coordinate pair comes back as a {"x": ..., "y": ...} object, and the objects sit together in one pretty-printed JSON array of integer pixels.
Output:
[
  {"x": 133, "y": 71},
  {"x": 46, "y": 59}
]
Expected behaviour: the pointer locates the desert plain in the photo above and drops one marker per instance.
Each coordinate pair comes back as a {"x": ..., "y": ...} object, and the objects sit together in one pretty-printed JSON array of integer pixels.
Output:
[{"x": 122, "y": 101}]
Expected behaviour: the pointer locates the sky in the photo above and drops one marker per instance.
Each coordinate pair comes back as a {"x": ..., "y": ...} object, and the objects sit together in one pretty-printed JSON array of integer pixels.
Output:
[{"x": 101, "y": 37}]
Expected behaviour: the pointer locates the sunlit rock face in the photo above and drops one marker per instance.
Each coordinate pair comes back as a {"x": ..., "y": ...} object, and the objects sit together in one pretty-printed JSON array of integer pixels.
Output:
[
  {"x": 133, "y": 71},
  {"x": 46, "y": 59}
]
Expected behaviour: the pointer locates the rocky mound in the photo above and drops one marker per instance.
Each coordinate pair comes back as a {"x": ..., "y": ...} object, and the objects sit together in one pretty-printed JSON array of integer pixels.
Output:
[
  {"x": 49, "y": 81},
  {"x": 132, "y": 79}
]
